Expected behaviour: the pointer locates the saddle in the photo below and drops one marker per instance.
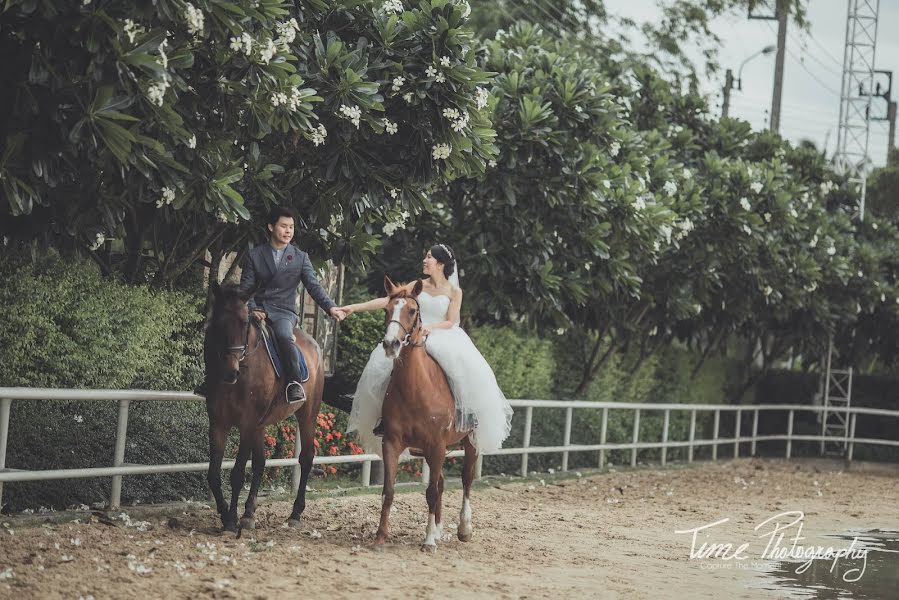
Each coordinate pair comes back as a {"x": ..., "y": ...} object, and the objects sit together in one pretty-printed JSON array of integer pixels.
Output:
[{"x": 271, "y": 347}]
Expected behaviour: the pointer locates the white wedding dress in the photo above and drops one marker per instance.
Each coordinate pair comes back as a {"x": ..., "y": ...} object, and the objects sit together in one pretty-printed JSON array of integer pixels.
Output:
[{"x": 478, "y": 397}]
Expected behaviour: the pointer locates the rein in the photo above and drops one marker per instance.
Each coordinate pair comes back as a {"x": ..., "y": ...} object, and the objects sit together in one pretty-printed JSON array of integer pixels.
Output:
[{"x": 241, "y": 351}]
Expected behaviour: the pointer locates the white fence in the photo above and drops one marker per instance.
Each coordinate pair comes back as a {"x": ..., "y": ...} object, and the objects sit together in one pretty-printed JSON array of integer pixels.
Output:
[{"x": 124, "y": 398}]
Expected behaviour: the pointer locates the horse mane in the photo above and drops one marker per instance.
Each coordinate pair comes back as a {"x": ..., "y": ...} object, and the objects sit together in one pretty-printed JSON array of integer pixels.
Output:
[
  {"x": 227, "y": 295},
  {"x": 403, "y": 290}
]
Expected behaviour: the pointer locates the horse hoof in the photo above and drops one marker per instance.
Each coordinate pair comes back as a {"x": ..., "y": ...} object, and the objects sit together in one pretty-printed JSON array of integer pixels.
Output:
[
  {"x": 464, "y": 536},
  {"x": 247, "y": 523},
  {"x": 430, "y": 548},
  {"x": 230, "y": 526},
  {"x": 293, "y": 523}
]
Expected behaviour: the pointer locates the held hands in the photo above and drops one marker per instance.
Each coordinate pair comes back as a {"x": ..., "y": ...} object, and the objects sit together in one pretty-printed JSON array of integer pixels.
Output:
[
  {"x": 338, "y": 313},
  {"x": 260, "y": 316},
  {"x": 347, "y": 310}
]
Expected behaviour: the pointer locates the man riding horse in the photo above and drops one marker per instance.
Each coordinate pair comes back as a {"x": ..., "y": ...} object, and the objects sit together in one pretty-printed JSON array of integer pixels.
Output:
[{"x": 275, "y": 270}]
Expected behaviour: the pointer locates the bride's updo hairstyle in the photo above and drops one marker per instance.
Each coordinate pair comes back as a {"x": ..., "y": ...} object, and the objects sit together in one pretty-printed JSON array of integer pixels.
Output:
[{"x": 444, "y": 254}]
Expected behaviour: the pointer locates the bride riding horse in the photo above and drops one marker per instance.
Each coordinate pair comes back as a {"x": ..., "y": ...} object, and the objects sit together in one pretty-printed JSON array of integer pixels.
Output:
[{"x": 419, "y": 412}]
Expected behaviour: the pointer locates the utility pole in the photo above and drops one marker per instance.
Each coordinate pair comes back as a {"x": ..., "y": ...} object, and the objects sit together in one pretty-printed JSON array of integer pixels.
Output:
[
  {"x": 728, "y": 86},
  {"x": 779, "y": 69},
  {"x": 891, "y": 139}
]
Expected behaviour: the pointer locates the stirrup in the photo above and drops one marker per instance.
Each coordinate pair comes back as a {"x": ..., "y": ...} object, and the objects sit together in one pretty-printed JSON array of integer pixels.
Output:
[{"x": 302, "y": 393}]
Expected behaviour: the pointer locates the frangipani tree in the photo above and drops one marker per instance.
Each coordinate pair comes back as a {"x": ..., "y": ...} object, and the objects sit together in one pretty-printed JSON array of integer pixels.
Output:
[{"x": 171, "y": 124}]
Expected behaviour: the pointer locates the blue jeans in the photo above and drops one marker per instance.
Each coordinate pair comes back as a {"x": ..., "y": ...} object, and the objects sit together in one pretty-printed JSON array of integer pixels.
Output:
[{"x": 283, "y": 322}]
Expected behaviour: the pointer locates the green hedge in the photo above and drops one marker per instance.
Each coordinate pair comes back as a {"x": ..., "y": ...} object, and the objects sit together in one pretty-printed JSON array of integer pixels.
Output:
[{"x": 66, "y": 326}]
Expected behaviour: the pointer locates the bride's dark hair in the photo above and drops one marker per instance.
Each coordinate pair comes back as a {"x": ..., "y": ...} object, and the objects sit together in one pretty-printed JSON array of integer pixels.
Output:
[{"x": 444, "y": 254}]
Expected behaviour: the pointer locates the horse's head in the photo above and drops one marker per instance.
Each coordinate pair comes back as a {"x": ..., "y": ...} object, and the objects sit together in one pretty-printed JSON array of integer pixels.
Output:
[
  {"x": 403, "y": 315},
  {"x": 229, "y": 328}
]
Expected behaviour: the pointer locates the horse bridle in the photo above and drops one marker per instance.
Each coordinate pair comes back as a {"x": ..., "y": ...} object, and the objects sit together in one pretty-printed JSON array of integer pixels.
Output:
[
  {"x": 407, "y": 339},
  {"x": 241, "y": 351}
]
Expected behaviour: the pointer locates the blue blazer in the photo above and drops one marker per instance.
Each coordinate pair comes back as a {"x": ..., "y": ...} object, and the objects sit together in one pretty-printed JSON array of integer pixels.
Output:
[{"x": 279, "y": 286}]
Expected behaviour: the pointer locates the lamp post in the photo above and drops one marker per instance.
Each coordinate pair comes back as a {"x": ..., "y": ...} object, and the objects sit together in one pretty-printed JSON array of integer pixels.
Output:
[{"x": 729, "y": 78}]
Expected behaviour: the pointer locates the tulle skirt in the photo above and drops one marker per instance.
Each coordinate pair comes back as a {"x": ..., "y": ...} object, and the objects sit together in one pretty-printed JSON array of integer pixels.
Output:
[{"x": 478, "y": 397}]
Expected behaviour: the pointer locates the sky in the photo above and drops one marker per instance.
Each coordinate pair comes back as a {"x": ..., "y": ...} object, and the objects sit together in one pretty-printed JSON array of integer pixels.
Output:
[{"x": 810, "y": 106}]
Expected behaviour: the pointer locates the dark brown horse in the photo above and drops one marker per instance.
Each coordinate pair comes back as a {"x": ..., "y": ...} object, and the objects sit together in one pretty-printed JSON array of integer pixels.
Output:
[
  {"x": 419, "y": 412},
  {"x": 244, "y": 393}
]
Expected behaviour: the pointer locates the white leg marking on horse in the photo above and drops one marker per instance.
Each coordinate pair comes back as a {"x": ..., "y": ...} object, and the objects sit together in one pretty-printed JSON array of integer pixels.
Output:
[
  {"x": 465, "y": 518},
  {"x": 432, "y": 534},
  {"x": 393, "y": 328}
]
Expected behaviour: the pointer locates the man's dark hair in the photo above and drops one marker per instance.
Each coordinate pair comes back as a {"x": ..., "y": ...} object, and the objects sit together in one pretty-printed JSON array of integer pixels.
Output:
[{"x": 280, "y": 211}]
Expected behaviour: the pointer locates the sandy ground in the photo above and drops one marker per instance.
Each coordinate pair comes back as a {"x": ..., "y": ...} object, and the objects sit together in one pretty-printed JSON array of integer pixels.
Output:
[{"x": 609, "y": 535}]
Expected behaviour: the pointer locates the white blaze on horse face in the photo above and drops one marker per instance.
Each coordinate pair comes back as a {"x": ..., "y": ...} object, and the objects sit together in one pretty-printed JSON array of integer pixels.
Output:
[{"x": 393, "y": 328}]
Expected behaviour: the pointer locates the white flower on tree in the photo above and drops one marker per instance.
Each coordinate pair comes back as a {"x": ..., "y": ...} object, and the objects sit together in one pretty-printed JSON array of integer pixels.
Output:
[
  {"x": 614, "y": 148},
  {"x": 408, "y": 97},
  {"x": 670, "y": 188},
  {"x": 444, "y": 61},
  {"x": 746, "y": 229},
  {"x": 389, "y": 127},
  {"x": 744, "y": 202},
  {"x": 163, "y": 57},
  {"x": 132, "y": 30},
  {"x": 192, "y": 142},
  {"x": 756, "y": 186},
  {"x": 353, "y": 113},
  {"x": 831, "y": 250},
  {"x": 687, "y": 174},
  {"x": 279, "y": 99},
  {"x": 639, "y": 203},
  {"x": 814, "y": 242},
  {"x": 398, "y": 82},
  {"x": 393, "y": 193},
  {"x": 491, "y": 163},
  {"x": 156, "y": 92},
  {"x": 441, "y": 78},
  {"x": 319, "y": 134},
  {"x": 481, "y": 97},
  {"x": 287, "y": 32},
  {"x": 168, "y": 196},
  {"x": 767, "y": 216},
  {"x": 441, "y": 151},
  {"x": 194, "y": 18},
  {"x": 430, "y": 71},
  {"x": 394, "y": 6},
  {"x": 268, "y": 52}
]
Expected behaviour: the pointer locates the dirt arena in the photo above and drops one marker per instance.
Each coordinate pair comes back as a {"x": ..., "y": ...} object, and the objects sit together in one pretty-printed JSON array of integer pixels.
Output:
[{"x": 608, "y": 535}]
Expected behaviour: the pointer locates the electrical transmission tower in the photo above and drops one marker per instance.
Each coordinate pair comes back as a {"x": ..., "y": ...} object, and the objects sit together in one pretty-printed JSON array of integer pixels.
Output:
[{"x": 852, "y": 159}]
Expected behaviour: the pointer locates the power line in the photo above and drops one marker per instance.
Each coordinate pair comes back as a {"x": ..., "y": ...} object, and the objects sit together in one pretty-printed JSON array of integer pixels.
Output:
[
  {"x": 805, "y": 52},
  {"x": 804, "y": 68},
  {"x": 828, "y": 54}
]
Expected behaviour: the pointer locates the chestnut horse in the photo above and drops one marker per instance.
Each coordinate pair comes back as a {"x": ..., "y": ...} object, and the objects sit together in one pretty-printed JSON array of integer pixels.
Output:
[
  {"x": 244, "y": 393},
  {"x": 419, "y": 412}
]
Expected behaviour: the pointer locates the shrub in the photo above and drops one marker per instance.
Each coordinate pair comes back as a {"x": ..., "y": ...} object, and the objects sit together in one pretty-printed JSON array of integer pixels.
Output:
[{"x": 68, "y": 327}]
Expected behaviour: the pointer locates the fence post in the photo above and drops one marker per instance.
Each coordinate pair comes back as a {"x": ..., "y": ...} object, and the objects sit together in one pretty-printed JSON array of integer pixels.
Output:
[
  {"x": 755, "y": 430},
  {"x": 737, "y": 433},
  {"x": 297, "y": 473},
  {"x": 790, "y": 434},
  {"x": 715, "y": 435},
  {"x": 118, "y": 459},
  {"x": 566, "y": 440},
  {"x": 366, "y": 473},
  {"x": 851, "y": 446},
  {"x": 636, "y": 437},
  {"x": 665, "y": 436},
  {"x": 692, "y": 435},
  {"x": 425, "y": 472},
  {"x": 526, "y": 443},
  {"x": 5, "y": 405},
  {"x": 604, "y": 428}
]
